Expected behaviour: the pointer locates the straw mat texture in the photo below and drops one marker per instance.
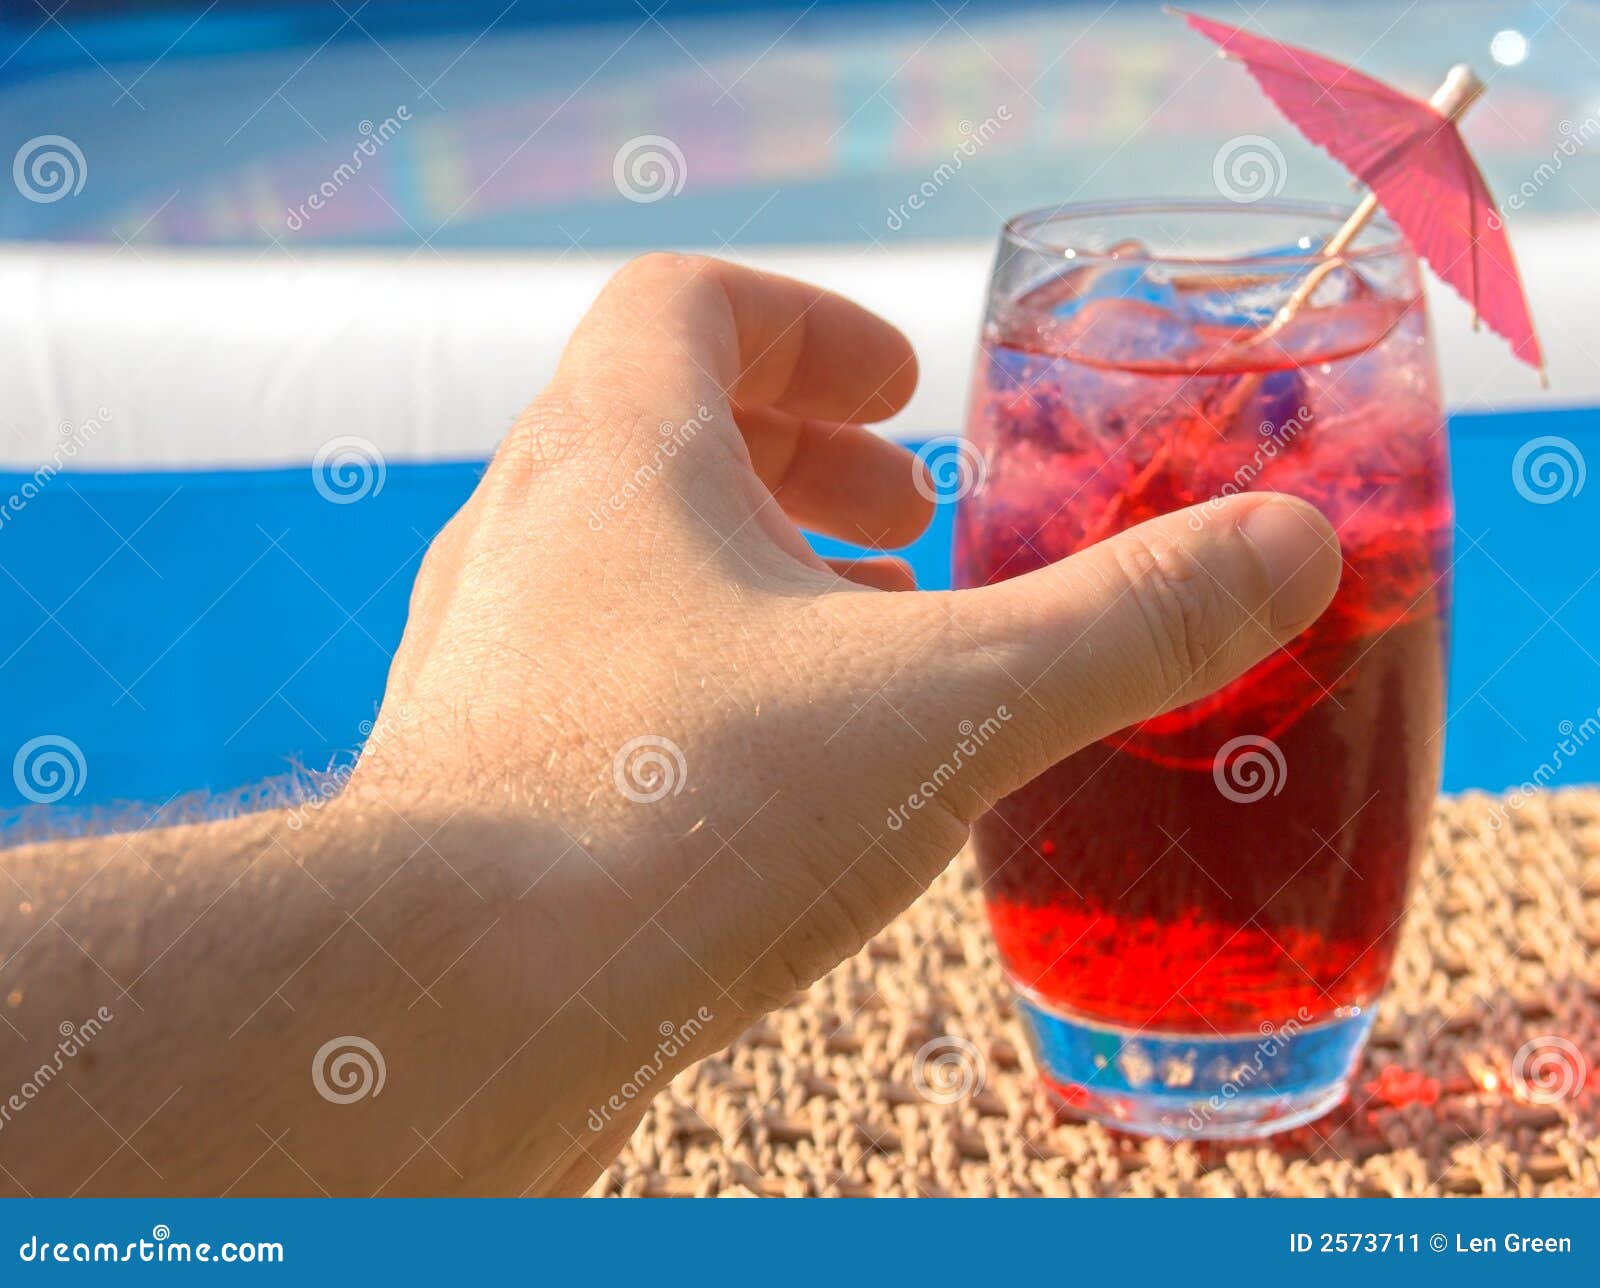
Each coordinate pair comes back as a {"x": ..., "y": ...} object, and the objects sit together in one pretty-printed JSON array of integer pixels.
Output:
[{"x": 1501, "y": 950}]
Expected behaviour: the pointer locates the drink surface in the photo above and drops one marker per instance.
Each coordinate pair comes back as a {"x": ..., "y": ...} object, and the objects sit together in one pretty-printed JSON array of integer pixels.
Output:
[{"x": 1245, "y": 859}]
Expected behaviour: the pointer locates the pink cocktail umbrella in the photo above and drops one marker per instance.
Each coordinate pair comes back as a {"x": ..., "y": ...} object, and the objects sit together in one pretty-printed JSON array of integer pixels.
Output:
[{"x": 1411, "y": 156}]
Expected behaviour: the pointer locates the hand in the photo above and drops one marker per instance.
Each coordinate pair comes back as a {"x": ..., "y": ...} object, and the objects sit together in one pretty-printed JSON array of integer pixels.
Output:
[
  {"x": 714, "y": 764},
  {"x": 644, "y": 768}
]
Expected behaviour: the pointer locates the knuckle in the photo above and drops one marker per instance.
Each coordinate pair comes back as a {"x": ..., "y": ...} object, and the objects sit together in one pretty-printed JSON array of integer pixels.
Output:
[
  {"x": 431, "y": 571},
  {"x": 426, "y": 588},
  {"x": 656, "y": 268},
  {"x": 551, "y": 432},
  {"x": 1185, "y": 611}
]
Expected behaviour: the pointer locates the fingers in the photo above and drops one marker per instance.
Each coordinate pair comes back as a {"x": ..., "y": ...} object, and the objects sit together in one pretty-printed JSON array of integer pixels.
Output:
[
  {"x": 677, "y": 331},
  {"x": 877, "y": 574},
  {"x": 1151, "y": 619},
  {"x": 840, "y": 480}
]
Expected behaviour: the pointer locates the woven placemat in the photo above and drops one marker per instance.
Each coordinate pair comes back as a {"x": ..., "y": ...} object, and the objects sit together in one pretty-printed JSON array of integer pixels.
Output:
[{"x": 1502, "y": 949}]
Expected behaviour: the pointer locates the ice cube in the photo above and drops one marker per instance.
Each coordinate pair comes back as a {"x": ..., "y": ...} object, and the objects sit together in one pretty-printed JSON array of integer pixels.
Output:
[
  {"x": 1126, "y": 276},
  {"x": 1133, "y": 334},
  {"x": 1280, "y": 408},
  {"x": 1252, "y": 296},
  {"x": 1223, "y": 297},
  {"x": 1342, "y": 284}
]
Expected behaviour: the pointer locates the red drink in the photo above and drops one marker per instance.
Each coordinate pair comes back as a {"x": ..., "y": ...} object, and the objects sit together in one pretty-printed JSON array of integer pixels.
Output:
[{"x": 1237, "y": 868}]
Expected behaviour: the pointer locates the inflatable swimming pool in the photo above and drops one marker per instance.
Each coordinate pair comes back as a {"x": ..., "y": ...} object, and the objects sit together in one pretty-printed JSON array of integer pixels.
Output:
[{"x": 287, "y": 279}]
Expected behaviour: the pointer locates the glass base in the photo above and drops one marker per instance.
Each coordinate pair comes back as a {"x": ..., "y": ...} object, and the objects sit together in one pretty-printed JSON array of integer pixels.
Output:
[{"x": 1185, "y": 1086}]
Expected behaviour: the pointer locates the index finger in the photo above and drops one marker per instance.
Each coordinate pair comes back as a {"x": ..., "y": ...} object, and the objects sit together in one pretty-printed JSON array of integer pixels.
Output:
[{"x": 704, "y": 332}]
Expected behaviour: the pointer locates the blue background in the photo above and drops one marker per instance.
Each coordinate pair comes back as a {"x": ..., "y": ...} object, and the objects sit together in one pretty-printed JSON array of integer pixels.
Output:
[{"x": 204, "y": 631}]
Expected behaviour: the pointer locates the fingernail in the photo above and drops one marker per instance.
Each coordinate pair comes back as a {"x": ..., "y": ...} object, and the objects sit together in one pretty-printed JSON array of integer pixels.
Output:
[{"x": 1300, "y": 552}]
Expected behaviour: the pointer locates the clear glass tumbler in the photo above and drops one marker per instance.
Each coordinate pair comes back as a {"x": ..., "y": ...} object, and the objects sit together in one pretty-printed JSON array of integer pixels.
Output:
[{"x": 1199, "y": 913}]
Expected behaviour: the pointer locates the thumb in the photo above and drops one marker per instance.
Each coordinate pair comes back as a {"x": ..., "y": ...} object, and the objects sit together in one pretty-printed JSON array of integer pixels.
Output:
[{"x": 1153, "y": 618}]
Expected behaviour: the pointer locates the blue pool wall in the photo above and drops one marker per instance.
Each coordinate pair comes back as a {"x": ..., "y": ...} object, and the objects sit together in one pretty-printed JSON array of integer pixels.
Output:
[{"x": 205, "y": 631}]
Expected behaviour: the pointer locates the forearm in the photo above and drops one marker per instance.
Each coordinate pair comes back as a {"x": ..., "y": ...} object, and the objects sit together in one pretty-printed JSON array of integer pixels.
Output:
[{"x": 205, "y": 968}]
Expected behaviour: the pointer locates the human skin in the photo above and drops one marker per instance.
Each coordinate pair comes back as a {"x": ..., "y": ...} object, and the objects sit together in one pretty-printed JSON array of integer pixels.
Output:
[{"x": 494, "y": 902}]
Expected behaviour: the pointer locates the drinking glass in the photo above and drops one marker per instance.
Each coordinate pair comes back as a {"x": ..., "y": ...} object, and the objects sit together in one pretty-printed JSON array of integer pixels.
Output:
[{"x": 1199, "y": 913}]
